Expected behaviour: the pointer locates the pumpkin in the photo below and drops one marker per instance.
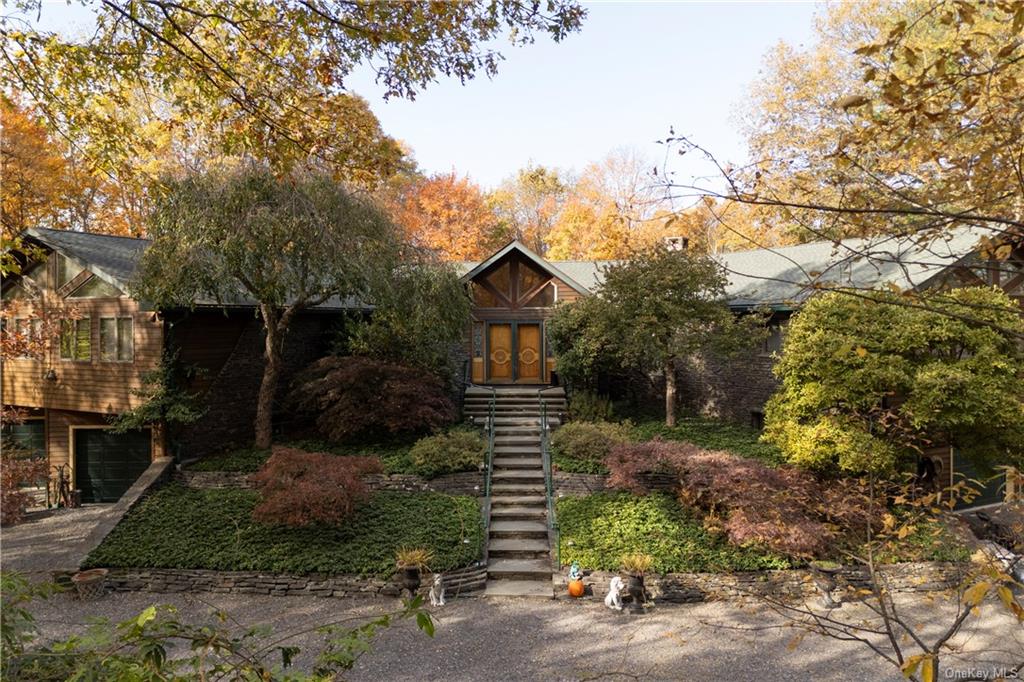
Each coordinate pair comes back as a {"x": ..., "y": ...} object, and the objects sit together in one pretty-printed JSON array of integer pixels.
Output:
[{"x": 576, "y": 588}]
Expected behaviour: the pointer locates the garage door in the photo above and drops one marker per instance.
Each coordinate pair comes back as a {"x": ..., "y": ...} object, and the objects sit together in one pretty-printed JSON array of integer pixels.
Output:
[{"x": 106, "y": 464}]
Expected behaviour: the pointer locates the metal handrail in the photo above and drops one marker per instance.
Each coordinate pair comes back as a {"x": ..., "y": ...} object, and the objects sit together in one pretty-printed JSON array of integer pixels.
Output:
[{"x": 549, "y": 486}]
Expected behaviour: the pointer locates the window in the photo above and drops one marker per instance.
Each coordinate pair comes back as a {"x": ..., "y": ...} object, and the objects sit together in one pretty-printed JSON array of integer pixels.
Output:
[
  {"x": 484, "y": 297},
  {"x": 95, "y": 287},
  {"x": 67, "y": 270},
  {"x": 773, "y": 342},
  {"x": 29, "y": 331},
  {"x": 76, "y": 339},
  {"x": 545, "y": 298},
  {"x": 501, "y": 280},
  {"x": 757, "y": 420},
  {"x": 116, "y": 342}
]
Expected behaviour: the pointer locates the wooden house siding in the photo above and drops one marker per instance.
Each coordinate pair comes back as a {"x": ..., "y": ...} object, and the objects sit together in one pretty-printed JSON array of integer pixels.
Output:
[{"x": 94, "y": 385}]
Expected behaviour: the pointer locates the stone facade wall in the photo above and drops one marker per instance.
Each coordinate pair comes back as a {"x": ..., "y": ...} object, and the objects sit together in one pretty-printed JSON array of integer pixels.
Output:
[
  {"x": 230, "y": 401},
  {"x": 467, "y": 483},
  {"x": 463, "y": 582},
  {"x": 727, "y": 388},
  {"x": 567, "y": 484},
  {"x": 678, "y": 588}
]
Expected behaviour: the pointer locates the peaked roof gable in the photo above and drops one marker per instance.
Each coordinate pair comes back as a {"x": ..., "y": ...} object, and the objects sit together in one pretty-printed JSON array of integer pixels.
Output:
[
  {"x": 545, "y": 265},
  {"x": 110, "y": 258}
]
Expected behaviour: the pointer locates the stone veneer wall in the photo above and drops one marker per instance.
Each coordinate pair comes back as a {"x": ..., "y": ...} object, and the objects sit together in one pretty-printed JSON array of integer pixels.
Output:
[
  {"x": 727, "y": 388},
  {"x": 681, "y": 588},
  {"x": 587, "y": 484},
  {"x": 467, "y": 483},
  {"x": 466, "y": 581}
]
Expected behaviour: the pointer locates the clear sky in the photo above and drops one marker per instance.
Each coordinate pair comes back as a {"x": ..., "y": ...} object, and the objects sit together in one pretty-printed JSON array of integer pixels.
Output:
[{"x": 635, "y": 69}]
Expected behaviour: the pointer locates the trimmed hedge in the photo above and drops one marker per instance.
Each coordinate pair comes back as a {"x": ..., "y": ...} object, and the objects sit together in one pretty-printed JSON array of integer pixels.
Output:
[
  {"x": 598, "y": 529},
  {"x": 179, "y": 527}
]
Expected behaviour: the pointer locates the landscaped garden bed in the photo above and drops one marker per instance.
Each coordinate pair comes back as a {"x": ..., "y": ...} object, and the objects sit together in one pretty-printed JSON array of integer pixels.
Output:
[
  {"x": 599, "y": 529},
  {"x": 581, "y": 447},
  {"x": 178, "y": 527}
]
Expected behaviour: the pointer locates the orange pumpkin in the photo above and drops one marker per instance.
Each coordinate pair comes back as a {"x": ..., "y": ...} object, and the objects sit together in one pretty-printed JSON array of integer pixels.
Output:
[{"x": 576, "y": 588}]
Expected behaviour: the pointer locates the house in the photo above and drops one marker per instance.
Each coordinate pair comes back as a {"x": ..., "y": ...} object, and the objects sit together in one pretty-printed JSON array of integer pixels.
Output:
[
  {"x": 109, "y": 342},
  {"x": 515, "y": 290}
]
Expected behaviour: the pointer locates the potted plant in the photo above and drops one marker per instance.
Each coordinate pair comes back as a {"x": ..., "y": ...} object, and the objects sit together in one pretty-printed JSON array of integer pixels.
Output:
[
  {"x": 635, "y": 565},
  {"x": 824, "y": 575},
  {"x": 90, "y": 584},
  {"x": 410, "y": 562}
]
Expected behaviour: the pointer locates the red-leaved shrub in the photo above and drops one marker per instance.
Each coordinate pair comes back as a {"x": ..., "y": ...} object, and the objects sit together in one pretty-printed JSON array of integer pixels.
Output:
[
  {"x": 785, "y": 509},
  {"x": 17, "y": 471},
  {"x": 357, "y": 396},
  {"x": 299, "y": 488}
]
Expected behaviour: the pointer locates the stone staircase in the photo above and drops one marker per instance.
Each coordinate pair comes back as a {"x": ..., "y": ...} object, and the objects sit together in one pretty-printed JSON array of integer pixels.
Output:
[{"x": 518, "y": 547}]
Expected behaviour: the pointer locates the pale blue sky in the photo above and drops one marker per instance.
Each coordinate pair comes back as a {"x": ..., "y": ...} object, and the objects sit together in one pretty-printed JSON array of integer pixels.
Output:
[{"x": 635, "y": 69}]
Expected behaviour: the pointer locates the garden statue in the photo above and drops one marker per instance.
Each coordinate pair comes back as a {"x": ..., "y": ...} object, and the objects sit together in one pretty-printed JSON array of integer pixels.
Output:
[
  {"x": 614, "y": 598},
  {"x": 576, "y": 588},
  {"x": 437, "y": 591}
]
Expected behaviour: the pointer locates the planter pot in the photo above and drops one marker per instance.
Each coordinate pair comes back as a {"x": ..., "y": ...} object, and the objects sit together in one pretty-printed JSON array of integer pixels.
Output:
[
  {"x": 635, "y": 589},
  {"x": 825, "y": 581},
  {"x": 90, "y": 584},
  {"x": 411, "y": 580}
]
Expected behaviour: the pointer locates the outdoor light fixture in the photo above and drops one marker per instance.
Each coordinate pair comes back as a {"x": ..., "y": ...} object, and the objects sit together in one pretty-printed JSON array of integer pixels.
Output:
[{"x": 51, "y": 375}]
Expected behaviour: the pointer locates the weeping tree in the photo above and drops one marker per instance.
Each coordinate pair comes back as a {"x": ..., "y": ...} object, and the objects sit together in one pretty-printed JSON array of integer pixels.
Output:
[{"x": 282, "y": 243}]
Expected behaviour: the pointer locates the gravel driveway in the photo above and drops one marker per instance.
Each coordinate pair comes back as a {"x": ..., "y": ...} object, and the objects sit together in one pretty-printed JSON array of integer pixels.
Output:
[
  {"x": 548, "y": 640},
  {"x": 51, "y": 540}
]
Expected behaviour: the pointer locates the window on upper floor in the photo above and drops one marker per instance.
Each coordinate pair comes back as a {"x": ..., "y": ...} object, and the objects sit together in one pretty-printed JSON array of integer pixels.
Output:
[
  {"x": 95, "y": 287},
  {"x": 76, "y": 339},
  {"x": 116, "y": 339},
  {"x": 30, "y": 332},
  {"x": 67, "y": 270}
]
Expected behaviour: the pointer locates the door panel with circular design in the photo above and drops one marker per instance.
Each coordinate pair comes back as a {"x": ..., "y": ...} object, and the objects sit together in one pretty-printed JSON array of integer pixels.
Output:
[
  {"x": 499, "y": 350},
  {"x": 528, "y": 353}
]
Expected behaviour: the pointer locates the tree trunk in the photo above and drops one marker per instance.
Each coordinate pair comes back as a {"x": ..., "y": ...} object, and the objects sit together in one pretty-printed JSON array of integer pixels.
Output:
[
  {"x": 670, "y": 393},
  {"x": 271, "y": 374}
]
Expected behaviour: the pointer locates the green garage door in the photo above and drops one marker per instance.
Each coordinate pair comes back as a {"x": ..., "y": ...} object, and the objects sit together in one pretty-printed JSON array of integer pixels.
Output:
[{"x": 106, "y": 464}]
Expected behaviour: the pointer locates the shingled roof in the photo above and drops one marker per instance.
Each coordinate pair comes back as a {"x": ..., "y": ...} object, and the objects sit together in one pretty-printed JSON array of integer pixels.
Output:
[
  {"x": 784, "y": 277},
  {"x": 111, "y": 258}
]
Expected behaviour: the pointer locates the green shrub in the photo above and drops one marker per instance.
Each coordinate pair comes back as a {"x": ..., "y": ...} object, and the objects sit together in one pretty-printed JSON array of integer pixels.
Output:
[
  {"x": 580, "y": 447},
  {"x": 180, "y": 527},
  {"x": 242, "y": 460},
  {"x": 590, "y": 407},
  {"x": 446, "y": 453},
  {"x": 598, "y": 530},
  {"x": 712, "y": 434}
]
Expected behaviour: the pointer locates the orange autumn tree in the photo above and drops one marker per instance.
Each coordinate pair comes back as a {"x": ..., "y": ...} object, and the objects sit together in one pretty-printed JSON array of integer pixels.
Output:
[{"x": 449, "y": 214}]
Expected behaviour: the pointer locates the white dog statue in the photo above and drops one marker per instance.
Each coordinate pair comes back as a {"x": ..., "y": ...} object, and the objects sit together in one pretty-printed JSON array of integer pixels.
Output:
[
  {"x": 437, "y": 591},
  {"x": 614, "y": 598}
]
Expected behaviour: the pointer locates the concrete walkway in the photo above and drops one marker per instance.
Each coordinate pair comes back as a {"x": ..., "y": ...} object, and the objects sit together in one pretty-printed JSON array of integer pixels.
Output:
[{"x": 519, "y": 639}]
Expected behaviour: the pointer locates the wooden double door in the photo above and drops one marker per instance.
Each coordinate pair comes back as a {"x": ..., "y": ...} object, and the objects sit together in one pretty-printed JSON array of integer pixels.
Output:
[{"x": 515, "y": 352}]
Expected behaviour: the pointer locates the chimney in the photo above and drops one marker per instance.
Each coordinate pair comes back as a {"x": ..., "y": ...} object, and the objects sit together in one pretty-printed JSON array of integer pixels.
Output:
[{"x": 677, "y": 243}]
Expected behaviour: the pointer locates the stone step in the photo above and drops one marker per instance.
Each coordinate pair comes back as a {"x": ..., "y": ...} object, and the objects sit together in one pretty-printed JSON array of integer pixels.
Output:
[
  {"x": 518, "y": 547},
  {"x": 500, "y": 500},
  {"x": 517, "y": 440},
  {"x": 529, "y": 453},
  {"x": 518, "y": 462},
  {"x": 527, "y": 589},
  {"x": 519, "y": 569},
  {"x": 499, "y": 488},
  {"x": 514, "y": 513},
  {"x": 506, "y": 431},
  {"x": 517, "y": 476},
  {"x": 519, "y": 529}
]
